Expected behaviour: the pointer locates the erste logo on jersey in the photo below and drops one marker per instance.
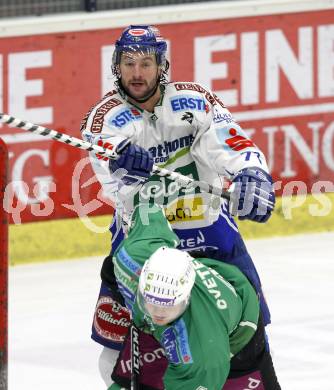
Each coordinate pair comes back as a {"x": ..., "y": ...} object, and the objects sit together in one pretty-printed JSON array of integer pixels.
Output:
[
  {"x": 188, "y": 102},
  {"x": 188, "y": 116},
  {"x": 111, "y": 320},
  {"x": 124, "y": 116}
]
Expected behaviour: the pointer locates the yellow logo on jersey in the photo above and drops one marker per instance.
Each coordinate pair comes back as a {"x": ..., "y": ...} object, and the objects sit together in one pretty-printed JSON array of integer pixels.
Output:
[{"x": 185, "y": 210}]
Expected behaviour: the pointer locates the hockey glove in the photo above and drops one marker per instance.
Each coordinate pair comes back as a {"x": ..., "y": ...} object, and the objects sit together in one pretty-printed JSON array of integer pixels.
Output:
[
  {"x": 252, "y": 195},
  {"x": 136, "y": 161}
]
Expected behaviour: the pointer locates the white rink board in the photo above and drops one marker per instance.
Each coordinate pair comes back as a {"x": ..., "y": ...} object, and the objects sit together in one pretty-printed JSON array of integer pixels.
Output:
[{"x": 51, "y": 307}]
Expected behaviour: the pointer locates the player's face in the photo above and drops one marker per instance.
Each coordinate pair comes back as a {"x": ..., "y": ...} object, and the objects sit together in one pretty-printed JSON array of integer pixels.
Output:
[
  {"x": 139, "y": 73},
  {"x": 163, "y": 315}
]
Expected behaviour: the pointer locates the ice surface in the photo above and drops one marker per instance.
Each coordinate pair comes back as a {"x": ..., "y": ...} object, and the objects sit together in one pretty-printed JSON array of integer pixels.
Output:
[{"x": 51, "y": 307}]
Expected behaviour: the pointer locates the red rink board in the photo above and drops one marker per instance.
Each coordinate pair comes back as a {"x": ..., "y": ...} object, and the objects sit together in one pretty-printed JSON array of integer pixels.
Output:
[{"x": 274, "y": 72}]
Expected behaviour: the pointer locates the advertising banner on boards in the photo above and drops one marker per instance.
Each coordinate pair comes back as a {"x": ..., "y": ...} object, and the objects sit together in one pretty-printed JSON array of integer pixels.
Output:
[{"x": 275, "y": 73}]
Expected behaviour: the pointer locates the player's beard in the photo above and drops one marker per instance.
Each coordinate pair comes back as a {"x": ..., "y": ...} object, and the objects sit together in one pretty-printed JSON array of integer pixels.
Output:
[{"x": 146, "y": 95}]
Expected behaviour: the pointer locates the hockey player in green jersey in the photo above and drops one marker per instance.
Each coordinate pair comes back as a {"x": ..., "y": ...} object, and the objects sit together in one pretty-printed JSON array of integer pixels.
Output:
[{"x": 203, "y": 313}]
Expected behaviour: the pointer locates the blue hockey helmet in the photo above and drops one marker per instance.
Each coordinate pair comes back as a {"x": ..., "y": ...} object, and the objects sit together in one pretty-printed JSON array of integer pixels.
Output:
[{"x": 141, "y": 38}]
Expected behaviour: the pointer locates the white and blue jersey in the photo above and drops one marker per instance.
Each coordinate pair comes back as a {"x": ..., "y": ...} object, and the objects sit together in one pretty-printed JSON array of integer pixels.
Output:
[{"x": 190, "y": 132}]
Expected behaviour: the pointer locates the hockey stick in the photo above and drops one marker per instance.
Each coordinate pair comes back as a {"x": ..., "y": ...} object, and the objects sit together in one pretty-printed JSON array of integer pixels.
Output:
[
  {"x": 134, "y": 357},
  {"x": 181, "y": 180}
]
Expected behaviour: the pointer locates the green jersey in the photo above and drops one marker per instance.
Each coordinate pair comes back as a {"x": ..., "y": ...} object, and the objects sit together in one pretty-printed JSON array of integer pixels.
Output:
[{"x": 221, "y": 317}]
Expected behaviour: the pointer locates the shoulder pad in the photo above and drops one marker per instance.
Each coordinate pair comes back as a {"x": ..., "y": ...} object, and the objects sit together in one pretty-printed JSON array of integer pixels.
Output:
[
  {"x": 95, "y": 117},
  {"x": 194, "y": 87}
]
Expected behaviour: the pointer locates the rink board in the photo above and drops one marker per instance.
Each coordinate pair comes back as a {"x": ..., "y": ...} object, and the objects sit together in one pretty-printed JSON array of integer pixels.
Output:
[{"x": 273, "y": 69}]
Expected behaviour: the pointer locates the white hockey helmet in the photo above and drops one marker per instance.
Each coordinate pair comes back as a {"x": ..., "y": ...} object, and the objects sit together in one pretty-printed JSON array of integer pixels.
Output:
[{"x": 165, "y": 284}]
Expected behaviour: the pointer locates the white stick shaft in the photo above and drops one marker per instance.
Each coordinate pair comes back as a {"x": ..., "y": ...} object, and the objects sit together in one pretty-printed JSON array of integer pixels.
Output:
[
  {"x": 56, "y": 135},
  {"x": 182, "y": 180}
]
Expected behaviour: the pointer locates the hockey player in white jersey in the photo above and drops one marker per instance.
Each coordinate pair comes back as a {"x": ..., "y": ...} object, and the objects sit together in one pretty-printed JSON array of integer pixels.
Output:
[{"x": 186, "y": 128}]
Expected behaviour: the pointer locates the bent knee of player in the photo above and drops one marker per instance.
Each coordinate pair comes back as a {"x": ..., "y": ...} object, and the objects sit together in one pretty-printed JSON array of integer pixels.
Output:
[{"x": 107, "y": 362}]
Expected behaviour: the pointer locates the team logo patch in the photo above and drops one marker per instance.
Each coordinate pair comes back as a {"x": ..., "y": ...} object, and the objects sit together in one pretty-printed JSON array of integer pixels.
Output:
[
  {"x": 188, "y": 116},
  {"x": 238, "y": 142},
  {"x": 111, "y": 320}
]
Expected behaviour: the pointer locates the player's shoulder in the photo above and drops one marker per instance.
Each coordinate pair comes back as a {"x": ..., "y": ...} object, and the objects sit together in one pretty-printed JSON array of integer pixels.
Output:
[
  {"x": 105, "y": 107},
  {"x": 190, "y": 89},
  {"x": 186, "y": 88}
]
